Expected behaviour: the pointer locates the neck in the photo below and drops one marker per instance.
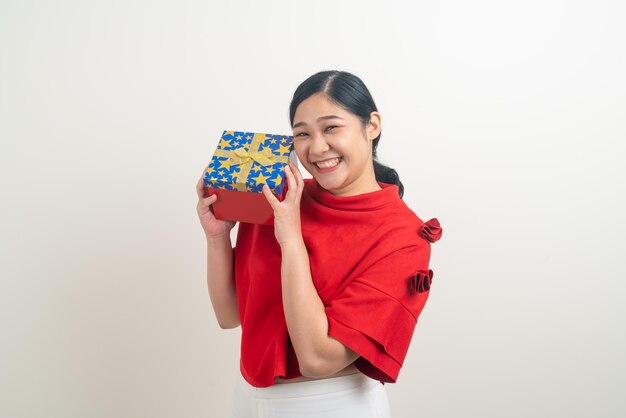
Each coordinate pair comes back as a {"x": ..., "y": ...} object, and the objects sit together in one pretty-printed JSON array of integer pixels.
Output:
[{"x": 371, "y": 185}]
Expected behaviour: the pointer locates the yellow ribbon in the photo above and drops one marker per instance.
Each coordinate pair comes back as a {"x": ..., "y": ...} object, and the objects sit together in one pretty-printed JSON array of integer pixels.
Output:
[{"x": 245, "y": 159}]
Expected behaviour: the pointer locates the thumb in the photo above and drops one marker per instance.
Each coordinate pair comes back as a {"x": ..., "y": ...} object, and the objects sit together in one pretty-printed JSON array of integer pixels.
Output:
[{"x": 269, "y": 196}]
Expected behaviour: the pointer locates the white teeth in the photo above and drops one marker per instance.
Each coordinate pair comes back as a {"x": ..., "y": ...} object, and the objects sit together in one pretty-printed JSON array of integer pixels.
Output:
[{"x": 328, "y": 163}]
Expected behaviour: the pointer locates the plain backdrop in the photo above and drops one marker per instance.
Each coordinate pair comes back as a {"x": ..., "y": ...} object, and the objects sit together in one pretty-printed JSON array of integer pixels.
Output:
[{"x": 505, "y": 120}]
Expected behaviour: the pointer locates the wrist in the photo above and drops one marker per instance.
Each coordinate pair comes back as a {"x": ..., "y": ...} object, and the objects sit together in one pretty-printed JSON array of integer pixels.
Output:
[
  {"x": 295, "y": 242},
  {"x": 218, "y": 238}
]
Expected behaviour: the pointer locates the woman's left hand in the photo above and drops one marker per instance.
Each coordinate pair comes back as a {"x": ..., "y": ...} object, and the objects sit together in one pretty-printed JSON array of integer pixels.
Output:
[{"x": 287, "y": 227}]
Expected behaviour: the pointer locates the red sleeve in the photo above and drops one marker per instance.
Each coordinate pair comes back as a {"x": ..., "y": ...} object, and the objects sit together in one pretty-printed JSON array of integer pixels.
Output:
[{"x": 375, "y": 315}]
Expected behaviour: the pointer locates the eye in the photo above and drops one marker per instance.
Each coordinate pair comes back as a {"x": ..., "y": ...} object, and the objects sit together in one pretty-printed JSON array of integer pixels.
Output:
[
  {"x": 302, "y": 133},
  {"x": 330, "y": 127}
]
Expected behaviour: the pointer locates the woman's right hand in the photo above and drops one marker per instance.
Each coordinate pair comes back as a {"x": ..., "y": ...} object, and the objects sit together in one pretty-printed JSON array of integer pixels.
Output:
[{"x": 212, "y": 226}]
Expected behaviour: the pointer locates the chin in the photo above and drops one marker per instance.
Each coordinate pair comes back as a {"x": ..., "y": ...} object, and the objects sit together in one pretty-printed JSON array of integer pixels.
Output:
[{"x": 331, "y": 186}]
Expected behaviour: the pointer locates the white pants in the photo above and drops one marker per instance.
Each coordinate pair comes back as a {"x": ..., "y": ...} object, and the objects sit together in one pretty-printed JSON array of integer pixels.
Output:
[{"x": 351, "y": 396}]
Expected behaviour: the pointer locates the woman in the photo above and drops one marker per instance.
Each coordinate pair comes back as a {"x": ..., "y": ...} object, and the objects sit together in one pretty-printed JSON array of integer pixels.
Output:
[{"x": 328, "y": 297}]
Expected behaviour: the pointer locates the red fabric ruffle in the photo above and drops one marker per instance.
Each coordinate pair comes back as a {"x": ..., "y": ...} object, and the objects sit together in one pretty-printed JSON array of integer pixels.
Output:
[
  {"x": 421, "y": 280},
  {"x": 431, "y": 230}
]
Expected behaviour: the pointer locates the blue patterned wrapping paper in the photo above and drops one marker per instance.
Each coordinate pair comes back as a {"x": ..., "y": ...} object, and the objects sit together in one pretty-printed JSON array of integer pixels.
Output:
[{"x": 244, "y": 161}]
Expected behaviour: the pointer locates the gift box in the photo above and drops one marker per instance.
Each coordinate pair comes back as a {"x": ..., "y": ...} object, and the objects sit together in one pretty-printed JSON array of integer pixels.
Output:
[{"x": 242, "y": 163}]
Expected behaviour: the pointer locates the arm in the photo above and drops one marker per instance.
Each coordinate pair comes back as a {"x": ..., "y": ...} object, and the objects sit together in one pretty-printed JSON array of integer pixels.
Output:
[
  {"x": 220, "y": 274},
  {"x": 319, "y": 354},
  {"x": 221, "y": 281}
]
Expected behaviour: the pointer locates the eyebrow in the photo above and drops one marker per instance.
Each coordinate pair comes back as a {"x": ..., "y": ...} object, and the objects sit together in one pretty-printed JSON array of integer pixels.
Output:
[{"x": 321, "y": 118}]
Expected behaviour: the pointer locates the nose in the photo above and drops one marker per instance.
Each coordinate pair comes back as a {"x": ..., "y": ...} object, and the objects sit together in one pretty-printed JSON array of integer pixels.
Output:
[{"x": 318, "y": 145}]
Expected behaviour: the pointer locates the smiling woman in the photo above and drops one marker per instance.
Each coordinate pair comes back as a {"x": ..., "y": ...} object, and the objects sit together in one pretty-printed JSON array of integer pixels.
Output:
[
  {"x": 328, "y": 297},
  {"x": 333, "y": 116},
  {"x": 335, "y": 147}
]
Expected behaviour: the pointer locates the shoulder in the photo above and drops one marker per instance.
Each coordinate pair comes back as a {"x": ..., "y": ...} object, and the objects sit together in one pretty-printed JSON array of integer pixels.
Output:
[
  {"x": 405, "y": 239},
  {"x": 400, "y": 219},
  {"x": 429, "y": 231},
  {"x": 384, "y": 212}
]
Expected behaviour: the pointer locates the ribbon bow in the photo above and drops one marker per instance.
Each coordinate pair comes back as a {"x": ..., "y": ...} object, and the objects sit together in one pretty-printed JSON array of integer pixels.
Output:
[
  {"x": 265, "y": 157},
  {"x": 246, "y": 158}
]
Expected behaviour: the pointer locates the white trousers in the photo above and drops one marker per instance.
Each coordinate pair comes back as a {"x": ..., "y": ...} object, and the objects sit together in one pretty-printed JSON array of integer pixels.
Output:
[{"x": 355, "y": 395}]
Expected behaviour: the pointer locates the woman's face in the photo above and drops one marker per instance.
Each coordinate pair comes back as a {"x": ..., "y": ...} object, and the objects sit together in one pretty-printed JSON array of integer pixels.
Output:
[{"x": 334, "y": 147}]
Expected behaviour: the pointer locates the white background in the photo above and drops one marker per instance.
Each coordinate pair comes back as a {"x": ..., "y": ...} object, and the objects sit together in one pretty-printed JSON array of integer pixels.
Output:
[{"x": 505, "y": 120}]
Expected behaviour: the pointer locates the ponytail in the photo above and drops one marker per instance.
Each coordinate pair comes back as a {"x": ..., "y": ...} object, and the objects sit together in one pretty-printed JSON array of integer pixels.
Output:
[{"x": 386, "y": 174}]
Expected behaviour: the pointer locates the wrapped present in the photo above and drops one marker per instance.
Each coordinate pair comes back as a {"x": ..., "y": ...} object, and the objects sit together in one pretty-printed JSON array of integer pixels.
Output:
[{"x": 242, "y": 163}]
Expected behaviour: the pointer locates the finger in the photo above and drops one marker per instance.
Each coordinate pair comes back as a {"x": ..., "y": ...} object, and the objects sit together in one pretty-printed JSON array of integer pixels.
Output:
[
  {"x": 269, "y": 196},
  {"x": 291, "y": 183},
  {"x": 299, "y": 180},
  {"x": 296, "y": 171},
  {"x": 200, "y": 188},
  {"x": 209, "y": 200},
  {"x": 204, "y": 205},
  {"x": 298, "y": 183}
]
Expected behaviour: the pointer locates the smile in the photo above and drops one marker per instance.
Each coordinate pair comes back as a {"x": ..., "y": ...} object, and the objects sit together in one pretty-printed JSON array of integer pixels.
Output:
[{"x": 328, "y": 165}]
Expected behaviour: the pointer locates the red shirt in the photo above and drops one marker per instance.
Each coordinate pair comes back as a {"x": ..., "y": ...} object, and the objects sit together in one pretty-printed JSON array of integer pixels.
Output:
[{"x": 369, "y": 257}]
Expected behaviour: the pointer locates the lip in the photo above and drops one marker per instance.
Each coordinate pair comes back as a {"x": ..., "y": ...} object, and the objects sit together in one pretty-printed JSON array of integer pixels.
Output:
[
  {"x": 329, "y": 169},
  {"x": 330, "y": 158}
]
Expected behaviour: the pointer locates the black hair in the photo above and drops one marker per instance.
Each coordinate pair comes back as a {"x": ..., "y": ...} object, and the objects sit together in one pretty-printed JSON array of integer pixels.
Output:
[{"x": 349, "y": 92}]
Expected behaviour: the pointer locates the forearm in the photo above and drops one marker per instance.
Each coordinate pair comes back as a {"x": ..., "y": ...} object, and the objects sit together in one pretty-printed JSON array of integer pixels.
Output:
[
  {"x": 304, "y": 310},
  {"x": 221, "y": 281}
]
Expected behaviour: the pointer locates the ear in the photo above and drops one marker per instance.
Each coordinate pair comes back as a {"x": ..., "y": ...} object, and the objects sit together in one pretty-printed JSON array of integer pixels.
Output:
[{"x": 374, "y": 126}]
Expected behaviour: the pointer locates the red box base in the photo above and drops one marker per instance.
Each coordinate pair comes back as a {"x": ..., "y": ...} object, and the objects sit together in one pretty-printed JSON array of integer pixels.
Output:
[{"x": 249, "y": 207}]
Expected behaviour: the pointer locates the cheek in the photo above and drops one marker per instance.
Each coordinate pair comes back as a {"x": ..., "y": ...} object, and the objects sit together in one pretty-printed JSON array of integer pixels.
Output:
[{"x": 299, "y": 152}]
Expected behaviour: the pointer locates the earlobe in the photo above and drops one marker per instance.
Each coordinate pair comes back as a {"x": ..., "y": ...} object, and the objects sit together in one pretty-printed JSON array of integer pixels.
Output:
[
  {"x": 374, "y": 125},
  {"x": 374, "y": 133}
]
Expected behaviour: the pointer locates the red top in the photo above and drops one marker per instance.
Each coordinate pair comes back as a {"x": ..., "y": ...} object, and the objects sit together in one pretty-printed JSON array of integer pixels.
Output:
[{"x": 369, "y": 258}]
